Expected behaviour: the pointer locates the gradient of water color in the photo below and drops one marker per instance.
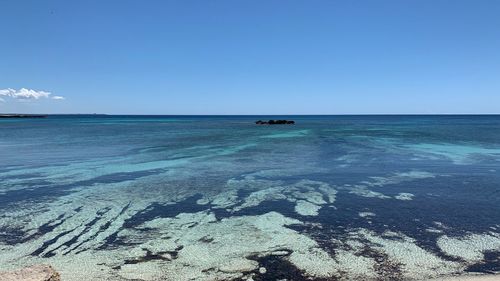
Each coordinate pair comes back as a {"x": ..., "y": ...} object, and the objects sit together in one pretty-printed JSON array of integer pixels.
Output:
[{"x": 220, "y": 198}]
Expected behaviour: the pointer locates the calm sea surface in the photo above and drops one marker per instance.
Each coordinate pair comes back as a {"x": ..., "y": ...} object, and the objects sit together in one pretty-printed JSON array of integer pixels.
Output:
[{"x": 220, "y": 198}]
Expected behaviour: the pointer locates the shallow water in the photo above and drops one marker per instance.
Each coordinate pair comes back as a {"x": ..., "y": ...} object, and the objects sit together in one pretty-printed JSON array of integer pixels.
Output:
[{"x": 220, "y": 198}]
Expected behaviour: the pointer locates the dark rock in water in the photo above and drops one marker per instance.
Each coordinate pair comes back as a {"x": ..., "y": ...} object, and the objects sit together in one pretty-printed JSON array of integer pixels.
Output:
[{"x": 275, "y": 122}]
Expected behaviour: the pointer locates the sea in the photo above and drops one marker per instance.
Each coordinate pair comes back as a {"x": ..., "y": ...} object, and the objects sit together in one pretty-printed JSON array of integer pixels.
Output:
[{"x": 340, "y": 197}]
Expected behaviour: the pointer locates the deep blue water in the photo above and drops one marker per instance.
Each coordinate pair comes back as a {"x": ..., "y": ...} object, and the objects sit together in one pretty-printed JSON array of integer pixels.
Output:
[{"x": 76, "y": 184}]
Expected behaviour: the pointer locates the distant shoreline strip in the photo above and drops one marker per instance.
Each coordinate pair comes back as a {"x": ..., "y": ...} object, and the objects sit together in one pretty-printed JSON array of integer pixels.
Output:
[{"x": 22, "y": 116}]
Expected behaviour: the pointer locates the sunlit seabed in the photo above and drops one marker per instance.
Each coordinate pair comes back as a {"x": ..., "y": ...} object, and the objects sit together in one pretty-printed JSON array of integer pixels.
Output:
[{"x": 219, "y": 198}]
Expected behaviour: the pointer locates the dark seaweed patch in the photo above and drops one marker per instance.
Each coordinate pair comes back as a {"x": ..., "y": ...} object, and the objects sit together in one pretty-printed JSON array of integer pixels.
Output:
[
  {"x": 47, "y": 244},
  {"x": 279, "y": 268},
  {"x": 206, "y": 239},
  {"x": 157, "y": 210},
  {"x": 386, "y": 268},
  {"x": 283, "y": 207},
  {"x": 49, "y": 226},
  {"x": 45, "y": 228},
  {"x": 11, "y": 235},
  {"x": 153, "y": 211},
  {"x": 71, "y": 241},
  {"x": 490, "y": 263},
  {"x": 101, "y": 229},
  {"x": 75, "y": 239},
  {"x": 150, "y": 256},
  {"x": 113, "y": 241},
  {"x": 461, "y": 211},
  {"x": 243, "y": 193}
]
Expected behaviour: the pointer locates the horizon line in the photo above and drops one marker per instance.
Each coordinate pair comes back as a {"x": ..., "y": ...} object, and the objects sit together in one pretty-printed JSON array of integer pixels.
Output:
[{"x": 307, "y": 114}]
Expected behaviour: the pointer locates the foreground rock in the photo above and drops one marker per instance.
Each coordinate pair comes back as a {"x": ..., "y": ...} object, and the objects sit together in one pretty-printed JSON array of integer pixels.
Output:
[
  {"x": 275, "y": 122},
  {"x": 39, "y": 272}
]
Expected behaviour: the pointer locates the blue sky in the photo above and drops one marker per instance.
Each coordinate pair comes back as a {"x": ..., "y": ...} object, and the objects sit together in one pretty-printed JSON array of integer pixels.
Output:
[{"x": 250, "y": 57}]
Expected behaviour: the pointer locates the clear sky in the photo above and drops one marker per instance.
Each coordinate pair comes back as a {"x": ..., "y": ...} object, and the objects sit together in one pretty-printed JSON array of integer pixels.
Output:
[{"x": 250, "y": 56}]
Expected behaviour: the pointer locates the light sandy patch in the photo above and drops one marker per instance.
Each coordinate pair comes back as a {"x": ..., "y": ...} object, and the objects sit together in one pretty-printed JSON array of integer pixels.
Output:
[
  {"x": 470, "y": 248},
  {"x": 356, "y": 267},
  {"x": 404, "y": 196},
  {"x": 366, "y": 214},
  {"x": 231, "y": 242},
  {"x": 308, "y": 195},
  {"x": 415, "y": 262},
  {"x": 305, "y": 208}
]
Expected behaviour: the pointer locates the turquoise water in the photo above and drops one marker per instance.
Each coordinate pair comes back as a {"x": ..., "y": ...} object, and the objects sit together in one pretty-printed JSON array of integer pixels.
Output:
[{"x": 220, "y": 198}]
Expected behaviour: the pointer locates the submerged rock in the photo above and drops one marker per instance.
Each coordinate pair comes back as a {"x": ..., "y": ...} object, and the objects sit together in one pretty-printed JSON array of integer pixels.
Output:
[
  {"x": 275, "y": 122},
  {"x": 39, "y": 272}
]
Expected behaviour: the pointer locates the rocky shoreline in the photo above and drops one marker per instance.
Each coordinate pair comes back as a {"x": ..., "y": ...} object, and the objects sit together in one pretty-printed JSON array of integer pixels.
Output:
[
  {"x": 43, "y": 272},
  {"x": 39, "y": 272}
]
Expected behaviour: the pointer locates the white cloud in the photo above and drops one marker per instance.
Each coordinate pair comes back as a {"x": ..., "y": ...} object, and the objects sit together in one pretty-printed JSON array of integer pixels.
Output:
[
  {"x": 5, "y": 92},
  {"x": 26, "y": 94}
]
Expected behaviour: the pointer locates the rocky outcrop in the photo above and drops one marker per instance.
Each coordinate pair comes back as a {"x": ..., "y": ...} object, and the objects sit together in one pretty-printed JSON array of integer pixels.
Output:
[
  {"x": 39, "y": 272},
  {"x": 275, "y": 122}
]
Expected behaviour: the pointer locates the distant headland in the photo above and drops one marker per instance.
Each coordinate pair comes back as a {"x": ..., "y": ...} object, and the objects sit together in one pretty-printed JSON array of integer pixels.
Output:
[{"x": 22, "y": 116}]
